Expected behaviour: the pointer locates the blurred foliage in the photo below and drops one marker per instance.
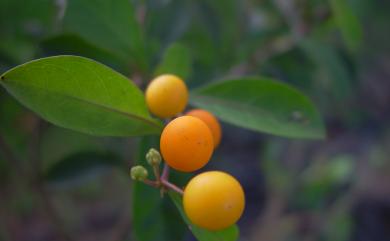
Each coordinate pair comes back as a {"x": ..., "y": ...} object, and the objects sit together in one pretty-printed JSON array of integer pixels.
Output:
[
  {"x": 334, "y": 51},
  {"x": 80, "y": 166},
  {"x": 176, "y": 57}
]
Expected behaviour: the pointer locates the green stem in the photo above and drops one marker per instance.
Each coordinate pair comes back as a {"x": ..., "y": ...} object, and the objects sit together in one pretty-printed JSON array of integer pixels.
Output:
[
  {"x": 156, "y": 170},
  {"x": 151, "y": 183}
]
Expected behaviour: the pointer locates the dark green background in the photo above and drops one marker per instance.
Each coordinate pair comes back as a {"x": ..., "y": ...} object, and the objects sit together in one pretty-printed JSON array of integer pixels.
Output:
[{"x": 334, "y": 51}]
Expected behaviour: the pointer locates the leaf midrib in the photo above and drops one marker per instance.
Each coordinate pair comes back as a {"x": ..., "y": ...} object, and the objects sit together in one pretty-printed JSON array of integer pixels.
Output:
[
  {"x": 128, "y": 115},
  {"x": 238, "y": 106}
]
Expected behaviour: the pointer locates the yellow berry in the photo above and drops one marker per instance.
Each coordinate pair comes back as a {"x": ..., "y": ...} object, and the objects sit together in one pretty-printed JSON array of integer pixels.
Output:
[
  {"x": 214, "y": 200},
  {"x": 210, "y": 121},
  {"x": 166, "y": 96}
]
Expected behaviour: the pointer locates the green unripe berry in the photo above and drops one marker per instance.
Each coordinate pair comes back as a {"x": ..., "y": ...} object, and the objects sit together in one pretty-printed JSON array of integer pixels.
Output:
[
  {"x": 153, "y": 157},
  {"x": 138, "y": 173}
]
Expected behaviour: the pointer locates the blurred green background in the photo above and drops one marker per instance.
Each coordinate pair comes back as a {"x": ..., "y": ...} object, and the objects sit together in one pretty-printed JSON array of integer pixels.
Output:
[{"x": 69, "y": 186}]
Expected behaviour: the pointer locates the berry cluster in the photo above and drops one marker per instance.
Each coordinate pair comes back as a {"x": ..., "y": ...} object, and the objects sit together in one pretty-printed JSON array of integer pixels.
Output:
[{"x": 213, "y": 200}]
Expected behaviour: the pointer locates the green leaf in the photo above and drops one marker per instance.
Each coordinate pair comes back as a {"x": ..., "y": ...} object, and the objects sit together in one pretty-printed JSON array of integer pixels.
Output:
[
  {"x": 109, "y": 25},
  {"x": 229, "y": 234},
  {"x": 332, "y": 72},
  {"x": 81, "y": 94},
  {"x": 321, "y": 179},
  {"x": 80, "y": 167},
  {"x": 176, "y": 60},
  {"x": 204, "y": 53},
  {"x": 228, "y": 28},
  {"x": 72, "y": 44},
  {"x": 160, "y": 18},
  {"x": 154, "y": 218},
  {"x": 348, "y": 23},
  {"x": 263, "y": 105},
  {"x": 25, "y": 18}
]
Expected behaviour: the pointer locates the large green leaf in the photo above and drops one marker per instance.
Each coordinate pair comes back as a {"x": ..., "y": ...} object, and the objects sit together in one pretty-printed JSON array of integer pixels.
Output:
[
  {"x": 81, "y": 94},
  {"x": 229, "y": 234},
  {"x": 80, "y": 167},
  {"x": 109, "y": 25},
  {"x": 154, "y": 217},
  {"x": 261, "y": 104},
  {"x": 348, "y": 23},
  {"x": 176, "y": 60}
]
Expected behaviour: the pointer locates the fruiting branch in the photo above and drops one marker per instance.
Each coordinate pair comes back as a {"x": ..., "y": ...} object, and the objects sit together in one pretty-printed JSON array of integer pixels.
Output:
[
  {"x": 151, "y": 183},
  {"x": 165, "y": 174},
  {"x": 139, "y": 173},
  {"x": 172, "y": 186}
]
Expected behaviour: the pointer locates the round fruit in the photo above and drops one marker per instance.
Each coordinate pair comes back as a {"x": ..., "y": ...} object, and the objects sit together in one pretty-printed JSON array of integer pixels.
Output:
[
  {"x": 186, "y": 144},
  {"x": 166, "y": 96},
  {"x": 210, "y": 121},
  {"x": 214, "y": 200}
]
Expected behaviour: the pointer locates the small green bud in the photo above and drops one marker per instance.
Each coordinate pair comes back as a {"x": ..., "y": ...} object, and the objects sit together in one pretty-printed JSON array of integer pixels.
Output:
[
  {"x": 138, "y": 173},
  {"x": 153, "y": 157}
]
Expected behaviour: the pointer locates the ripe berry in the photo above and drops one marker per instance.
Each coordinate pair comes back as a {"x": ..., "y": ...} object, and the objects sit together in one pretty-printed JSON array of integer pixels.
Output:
[
  {"x": 186, "y": 144},
  {"x": 166, "y": 96},
  {"x": 210, "y": 121},
  {"x": 213, "y": 200}
]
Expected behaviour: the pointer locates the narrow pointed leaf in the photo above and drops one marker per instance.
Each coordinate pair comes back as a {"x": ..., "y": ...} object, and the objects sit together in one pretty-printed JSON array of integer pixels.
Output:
[
  {"x": 348, "y": 23},
  {"x": 262, "y": 104},
  {"x": 72, "y": 44},
  {"x": 109, "y": 25},
  {"x": 176, "y": 60},
  {"x": 80, "y": 94}
]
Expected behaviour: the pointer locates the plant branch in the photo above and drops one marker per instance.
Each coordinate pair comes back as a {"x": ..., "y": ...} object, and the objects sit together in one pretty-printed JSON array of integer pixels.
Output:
[
  {"x": 172, "y": 186},
  {"x": 10, "y": 157},
  {"x": 156, "y": 170},
  {"x": 162, "y": 182},
  {"x": 165, "y": 174},
  {"x": 151, "y": 183}
]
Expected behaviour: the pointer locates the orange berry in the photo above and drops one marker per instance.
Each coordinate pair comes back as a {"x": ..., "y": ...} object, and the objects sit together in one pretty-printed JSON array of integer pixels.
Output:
[
  {"x": 213, "y": 200},
  {"x": 186, "y": 144},
  {"x": 166, "y": 96},
  {"x": 210, "y": 121}
]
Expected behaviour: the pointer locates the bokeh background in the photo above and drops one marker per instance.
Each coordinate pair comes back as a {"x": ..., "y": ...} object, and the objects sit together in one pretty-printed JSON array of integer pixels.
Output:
[{"x": 337, "y": 52}]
